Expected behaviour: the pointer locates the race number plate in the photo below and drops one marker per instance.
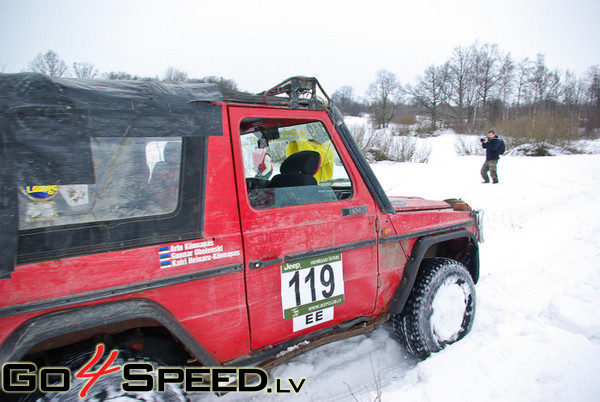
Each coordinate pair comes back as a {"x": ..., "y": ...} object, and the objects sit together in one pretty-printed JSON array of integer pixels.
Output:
[{"x": 310, "y": 288}]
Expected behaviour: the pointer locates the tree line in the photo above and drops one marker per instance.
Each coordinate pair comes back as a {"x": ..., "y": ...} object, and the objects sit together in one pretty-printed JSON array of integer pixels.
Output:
[
  {"x": 478, "y": 87},
  {"x": 50, "y": 63}
]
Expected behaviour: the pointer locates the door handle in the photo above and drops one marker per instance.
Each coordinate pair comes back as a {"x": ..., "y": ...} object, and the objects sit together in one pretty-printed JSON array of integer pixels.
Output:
[{"x": 358, "y": 210}]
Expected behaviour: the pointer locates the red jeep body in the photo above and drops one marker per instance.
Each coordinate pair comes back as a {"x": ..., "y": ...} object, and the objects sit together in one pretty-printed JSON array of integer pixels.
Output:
[{"x": 231, "y": 268}]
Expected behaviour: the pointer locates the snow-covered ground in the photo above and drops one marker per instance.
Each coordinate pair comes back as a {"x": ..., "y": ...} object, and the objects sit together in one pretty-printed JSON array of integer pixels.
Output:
[{"x": 536, "y": 335}]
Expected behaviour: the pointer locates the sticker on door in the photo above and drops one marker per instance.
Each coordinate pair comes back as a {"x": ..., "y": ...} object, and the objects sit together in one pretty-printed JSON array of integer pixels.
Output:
[{"x": 310, "y": 288}]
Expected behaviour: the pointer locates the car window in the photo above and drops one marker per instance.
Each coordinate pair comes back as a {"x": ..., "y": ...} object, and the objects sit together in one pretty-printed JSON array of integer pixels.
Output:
[
  {"x": 291, "y": 164},
  {"x": 134, "y": 177}
]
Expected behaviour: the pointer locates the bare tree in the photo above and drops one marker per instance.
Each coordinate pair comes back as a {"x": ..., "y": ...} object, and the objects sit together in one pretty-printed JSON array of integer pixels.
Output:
[
  {"x": 344, "y": 99},
  {"x": 481, "y": 85},
  {"x": 85, "y": 70},
  {"x": 118, "y": 75},
  {"x": 524, "y": 81},
  {"x": 593, "y": 91},
  {"x": 224, "y": 84},
  {"x": 573, "y": 93},
  {"x": 384, "y": 93},
  {"x": 593, "y": 97},
  {"x": 507, "y": 82},
  {"x": 546, "y": 90},
  {"x": 488, "y": 70},
  {"x": 542, "y": 81},
  {"x": 343, "y": 96},
  {"x": 175, "y": 75},
  {"x": 480, "y": 81},
  {"x": 461, "y": 89},
  {"x": 121, "y": 75},
  {"x": 49, "y": 63},
  {"x": 430, "y": 93}
]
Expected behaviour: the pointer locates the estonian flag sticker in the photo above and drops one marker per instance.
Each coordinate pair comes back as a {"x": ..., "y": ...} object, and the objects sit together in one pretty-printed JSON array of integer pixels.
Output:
[{"x": 164, "y": 257}]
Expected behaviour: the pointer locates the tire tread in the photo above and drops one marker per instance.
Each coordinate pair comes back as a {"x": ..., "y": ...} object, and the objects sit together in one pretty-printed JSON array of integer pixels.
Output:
[{"x": 406, "y": 324}]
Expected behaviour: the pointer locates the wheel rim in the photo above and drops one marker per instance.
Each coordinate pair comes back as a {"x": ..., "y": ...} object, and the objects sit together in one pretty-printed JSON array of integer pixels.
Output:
[{"x": 449, "y": 310}]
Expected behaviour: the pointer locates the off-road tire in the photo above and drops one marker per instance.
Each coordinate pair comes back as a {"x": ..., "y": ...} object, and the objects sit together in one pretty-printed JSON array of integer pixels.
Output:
[{"x": 415, "y": 327}]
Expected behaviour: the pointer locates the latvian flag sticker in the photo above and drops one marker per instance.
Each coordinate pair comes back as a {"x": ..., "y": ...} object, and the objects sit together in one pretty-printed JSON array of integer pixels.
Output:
[{"x": 164, "y": 256}]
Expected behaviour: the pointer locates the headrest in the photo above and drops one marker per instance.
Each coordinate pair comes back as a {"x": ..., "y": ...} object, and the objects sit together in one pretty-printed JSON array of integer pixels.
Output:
[
  {"x": 303, "y": 162},
  {"x": 172, "y": 152}
]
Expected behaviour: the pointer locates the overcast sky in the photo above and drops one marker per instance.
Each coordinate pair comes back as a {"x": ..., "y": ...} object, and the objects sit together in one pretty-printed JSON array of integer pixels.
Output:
[{"x": 258, "y": 43}]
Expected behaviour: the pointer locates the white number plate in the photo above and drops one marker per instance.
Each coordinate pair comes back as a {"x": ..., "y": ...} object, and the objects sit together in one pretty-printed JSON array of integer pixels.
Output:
[{"x": 310, "y": 288}]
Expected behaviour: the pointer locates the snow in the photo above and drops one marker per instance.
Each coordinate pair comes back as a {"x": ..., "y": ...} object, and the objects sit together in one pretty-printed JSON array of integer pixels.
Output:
[
  {"x": 536, "y": 335},
  {"x": 448, "y": 309}
]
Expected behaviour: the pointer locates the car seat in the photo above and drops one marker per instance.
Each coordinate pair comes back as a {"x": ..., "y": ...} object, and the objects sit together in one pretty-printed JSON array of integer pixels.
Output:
[
  {"x": 164, "y": 182},
  {"x": 298, "y": 170}
]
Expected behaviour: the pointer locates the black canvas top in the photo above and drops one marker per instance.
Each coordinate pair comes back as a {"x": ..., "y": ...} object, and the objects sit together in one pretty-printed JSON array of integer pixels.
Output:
[{"x": 46, "y": 124}]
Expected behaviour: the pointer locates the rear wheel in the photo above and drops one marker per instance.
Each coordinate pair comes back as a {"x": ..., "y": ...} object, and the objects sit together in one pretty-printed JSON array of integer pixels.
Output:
[
  {"x": 440, "y": 309},
  {"x": 109, "y": 386}
]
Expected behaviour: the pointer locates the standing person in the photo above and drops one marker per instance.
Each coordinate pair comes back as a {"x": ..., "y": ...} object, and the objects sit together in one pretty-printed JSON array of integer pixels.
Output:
[
  {"x": 262, "y": 160},
  {"x": 492, "y": 153}
]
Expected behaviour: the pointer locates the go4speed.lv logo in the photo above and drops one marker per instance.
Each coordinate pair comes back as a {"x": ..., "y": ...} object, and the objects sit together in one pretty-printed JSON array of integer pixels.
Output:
[{"x": 138, "y": 377}]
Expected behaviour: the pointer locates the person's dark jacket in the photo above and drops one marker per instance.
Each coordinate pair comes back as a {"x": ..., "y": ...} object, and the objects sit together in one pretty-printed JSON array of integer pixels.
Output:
[{"x": 491, "y": 149}]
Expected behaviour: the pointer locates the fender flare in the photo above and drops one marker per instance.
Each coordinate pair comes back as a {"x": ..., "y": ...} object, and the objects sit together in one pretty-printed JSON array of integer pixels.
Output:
[
  {"x": 402, "y": 292},
  {"x": 62, "y": 322}
]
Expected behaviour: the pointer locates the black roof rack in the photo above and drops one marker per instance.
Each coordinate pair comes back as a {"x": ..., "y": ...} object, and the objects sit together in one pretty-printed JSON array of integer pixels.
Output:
[{"x": 299, "y": 89}]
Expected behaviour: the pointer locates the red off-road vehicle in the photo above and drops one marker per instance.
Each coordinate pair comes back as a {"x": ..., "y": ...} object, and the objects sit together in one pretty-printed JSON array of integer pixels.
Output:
[{"x": 146, "y": 217}]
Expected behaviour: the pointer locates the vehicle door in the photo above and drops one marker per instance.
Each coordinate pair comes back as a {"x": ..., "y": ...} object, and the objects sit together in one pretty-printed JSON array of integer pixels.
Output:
[{"x": 310, "y": 247}]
